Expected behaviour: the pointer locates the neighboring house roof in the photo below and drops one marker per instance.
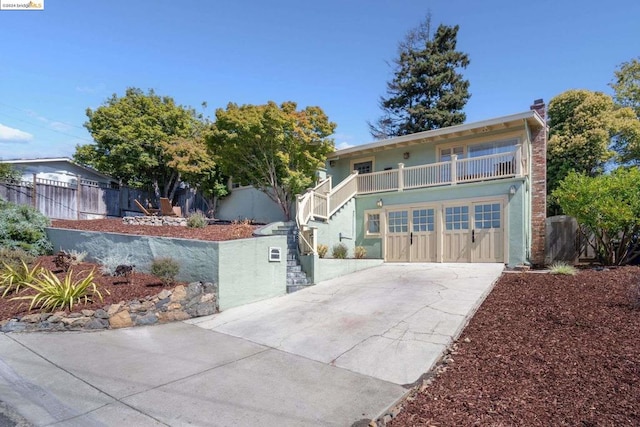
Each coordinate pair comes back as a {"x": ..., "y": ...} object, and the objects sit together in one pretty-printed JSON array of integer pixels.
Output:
[
  {"x": 46, "y": 161},
  {"x": 531, "y": 117}
]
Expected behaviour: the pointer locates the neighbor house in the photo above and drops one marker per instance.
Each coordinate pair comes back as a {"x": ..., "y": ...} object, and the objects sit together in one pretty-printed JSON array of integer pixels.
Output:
[
  {"x": 474, "y": 192},
  {"x": 61, "y": 170}
]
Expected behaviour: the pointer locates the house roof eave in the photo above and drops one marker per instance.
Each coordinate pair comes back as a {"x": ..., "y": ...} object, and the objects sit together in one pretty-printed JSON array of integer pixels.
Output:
[{"x": 530, "y": 116}]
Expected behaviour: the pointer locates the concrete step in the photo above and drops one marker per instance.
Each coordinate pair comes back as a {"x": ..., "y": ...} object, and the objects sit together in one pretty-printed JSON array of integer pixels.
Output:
[
  {"x": 294, "y": 269},
  {"x": 291, "y": 282},
  {"x": 295, "y": 288}
]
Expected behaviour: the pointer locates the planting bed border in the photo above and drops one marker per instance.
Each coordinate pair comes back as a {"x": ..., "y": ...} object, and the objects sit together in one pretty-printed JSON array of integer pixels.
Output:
[{"x": 180, "y": 303}]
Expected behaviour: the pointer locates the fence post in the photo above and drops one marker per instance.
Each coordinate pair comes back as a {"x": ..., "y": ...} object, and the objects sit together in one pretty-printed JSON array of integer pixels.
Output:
[
  {"x": 34, "y": 193},
  {"x": 78, "y": 196}
]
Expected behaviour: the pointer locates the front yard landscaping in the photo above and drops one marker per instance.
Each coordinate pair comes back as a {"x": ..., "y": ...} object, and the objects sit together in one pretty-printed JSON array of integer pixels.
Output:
[{"x": 542, "y": 350}]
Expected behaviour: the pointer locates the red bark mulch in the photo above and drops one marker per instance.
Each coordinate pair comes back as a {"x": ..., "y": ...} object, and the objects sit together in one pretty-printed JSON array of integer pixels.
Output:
[
  {"x": 113, "y": 289},
  {"x": 542, "y": 350},
  {"x": 137, "y": 285},
  {"x": 214, "y": 232}
]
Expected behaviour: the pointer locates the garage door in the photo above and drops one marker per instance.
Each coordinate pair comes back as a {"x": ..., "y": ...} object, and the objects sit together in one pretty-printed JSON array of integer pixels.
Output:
[
  {"x": 463, "y": 232},
  {"x": 410, "y": 235}
]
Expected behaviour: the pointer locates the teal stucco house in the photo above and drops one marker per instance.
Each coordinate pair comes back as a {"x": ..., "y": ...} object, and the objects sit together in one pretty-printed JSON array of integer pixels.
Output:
[{"x": 474, "y": 192}]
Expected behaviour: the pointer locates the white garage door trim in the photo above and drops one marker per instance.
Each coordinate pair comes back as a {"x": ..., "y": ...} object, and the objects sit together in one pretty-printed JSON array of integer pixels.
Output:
[{"x": 426, "y": 223}]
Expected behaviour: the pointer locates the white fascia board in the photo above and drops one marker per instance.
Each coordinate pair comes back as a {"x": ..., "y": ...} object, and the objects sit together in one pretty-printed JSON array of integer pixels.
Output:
[{"x": 527, "y": 115}]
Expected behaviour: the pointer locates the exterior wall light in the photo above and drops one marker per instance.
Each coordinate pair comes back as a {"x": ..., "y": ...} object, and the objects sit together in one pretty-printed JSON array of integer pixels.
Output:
[
  {"x": 512, "y": 190},
  {"x": 379, "y": 203},
  {"x": 406, "y": 155},
  {"x": 332, "y": 163}
]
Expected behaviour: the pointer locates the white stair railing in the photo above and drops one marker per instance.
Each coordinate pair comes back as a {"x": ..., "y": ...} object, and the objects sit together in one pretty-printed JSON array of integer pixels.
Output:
[{"x": 343, "y": 193}]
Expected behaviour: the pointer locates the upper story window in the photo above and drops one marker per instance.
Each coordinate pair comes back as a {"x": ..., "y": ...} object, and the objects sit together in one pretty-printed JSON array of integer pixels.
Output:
[
  {"x": 494, "y": 147},
  {"x": 363, "y": 165},
  {"x": 445, "y": 153}
]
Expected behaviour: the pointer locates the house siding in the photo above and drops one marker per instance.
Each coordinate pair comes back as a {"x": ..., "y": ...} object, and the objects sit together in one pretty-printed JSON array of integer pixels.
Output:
[{"x": 514, "y": 213}]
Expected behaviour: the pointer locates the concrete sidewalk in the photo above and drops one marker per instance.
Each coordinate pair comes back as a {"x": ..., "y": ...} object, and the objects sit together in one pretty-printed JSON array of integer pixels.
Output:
[{"x": 329, "y": 355}]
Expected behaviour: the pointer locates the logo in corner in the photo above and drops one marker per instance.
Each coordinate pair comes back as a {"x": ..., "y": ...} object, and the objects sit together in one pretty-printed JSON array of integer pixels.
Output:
[{"x": 21, "y": 5}]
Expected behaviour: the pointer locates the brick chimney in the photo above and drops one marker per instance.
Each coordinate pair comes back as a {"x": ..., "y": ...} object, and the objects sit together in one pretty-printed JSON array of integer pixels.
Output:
[{"x": 538, "y": 185}]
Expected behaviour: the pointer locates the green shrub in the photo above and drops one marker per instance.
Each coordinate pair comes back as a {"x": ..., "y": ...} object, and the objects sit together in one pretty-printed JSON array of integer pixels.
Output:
[
  {"x": 109, "y": 263},
  {"x": 14, "y": 257},
  {"x": 322, "y": 250},
  {"x": 22, "y": 227},
  {"x": 563, "y": 269},
  {"x": 52, "y": 294},
  {"x": 197, "y": 220},
  {"x": 12, "y": 278},
  {"x": 360, "y": 252},
  {"x": 339, "y": 251},
  {"x": 166, "y": 269}
]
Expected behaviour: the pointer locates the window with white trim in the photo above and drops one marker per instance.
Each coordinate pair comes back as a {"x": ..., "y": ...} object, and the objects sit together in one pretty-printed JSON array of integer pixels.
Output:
[
  {"x": 373, "y": 223},
  {"x": 363, "y": 167}
]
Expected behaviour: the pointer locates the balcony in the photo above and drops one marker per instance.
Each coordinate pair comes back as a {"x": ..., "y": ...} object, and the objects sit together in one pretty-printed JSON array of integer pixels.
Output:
[{"x": 323, "y": 201}]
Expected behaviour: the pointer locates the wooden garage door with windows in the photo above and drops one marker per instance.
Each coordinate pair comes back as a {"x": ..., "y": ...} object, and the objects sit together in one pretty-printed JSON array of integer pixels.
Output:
[{"x": 452, "y": 232}]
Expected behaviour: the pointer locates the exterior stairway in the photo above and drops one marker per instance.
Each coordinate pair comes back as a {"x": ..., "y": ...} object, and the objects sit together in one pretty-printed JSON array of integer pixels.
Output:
[{"x": 296, "y": 278}]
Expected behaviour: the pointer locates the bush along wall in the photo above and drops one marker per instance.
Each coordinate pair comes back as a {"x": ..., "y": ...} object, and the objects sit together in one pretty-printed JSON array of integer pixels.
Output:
[{"x": 180, "y": 303}]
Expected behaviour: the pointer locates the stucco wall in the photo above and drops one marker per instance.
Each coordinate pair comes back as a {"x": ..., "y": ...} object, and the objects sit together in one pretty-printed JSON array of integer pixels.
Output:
[
  {"x": 245, "y": 273},
  {"x": 240, "y": 267},
  {"x": 418, "y": 155},
  {"x": 517, "y": 229},
  {"x": 343, "y": 221},
  {"x": 249, "y": 203},
  {"x": 319, "y": 269}
]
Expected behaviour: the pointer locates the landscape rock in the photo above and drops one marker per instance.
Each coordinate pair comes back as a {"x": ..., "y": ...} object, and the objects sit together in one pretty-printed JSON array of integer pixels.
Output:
[
  {"x": 121, "y": 319},
  {"x": 179, "y": 293},
  {"x": 180, "y": 303}
]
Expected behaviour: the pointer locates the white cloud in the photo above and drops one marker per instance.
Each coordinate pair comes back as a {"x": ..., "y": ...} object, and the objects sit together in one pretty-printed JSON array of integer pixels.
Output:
[
  {"x": 342, "y": 145},
  {"x": 8, "y": 134}
]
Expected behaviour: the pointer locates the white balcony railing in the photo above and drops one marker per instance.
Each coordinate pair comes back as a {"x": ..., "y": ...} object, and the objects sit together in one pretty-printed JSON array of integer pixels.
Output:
[{"x": 323, "y": 201}]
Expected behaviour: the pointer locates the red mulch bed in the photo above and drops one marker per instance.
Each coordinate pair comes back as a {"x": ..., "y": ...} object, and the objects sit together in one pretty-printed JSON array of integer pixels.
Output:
[
  {"x": 214, "y": 232},
  {"x": 137, "y": 285},
  {"x": 542, "y": 350},
  {"x": 113, "y": 289}
]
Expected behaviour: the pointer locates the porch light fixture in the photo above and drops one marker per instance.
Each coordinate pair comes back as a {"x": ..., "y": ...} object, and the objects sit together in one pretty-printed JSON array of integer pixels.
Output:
[
  {"x": 406, "y": 155},
  {"x": 379, "y": 203},
  {"x": 332, "y": 163},
  {"x": 512, "y": 190}
]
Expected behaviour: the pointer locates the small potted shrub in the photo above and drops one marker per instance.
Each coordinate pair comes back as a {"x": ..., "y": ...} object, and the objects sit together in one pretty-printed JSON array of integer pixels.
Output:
[{"x": 360, "y": 252}]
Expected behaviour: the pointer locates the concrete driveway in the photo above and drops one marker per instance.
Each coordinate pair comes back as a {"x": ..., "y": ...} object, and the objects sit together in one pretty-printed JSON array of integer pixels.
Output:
[{"x": 332, "y": 354}]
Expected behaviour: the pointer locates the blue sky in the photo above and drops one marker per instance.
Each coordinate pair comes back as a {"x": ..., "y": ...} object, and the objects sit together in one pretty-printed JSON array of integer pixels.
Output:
[{"x": 56, "y": 63}]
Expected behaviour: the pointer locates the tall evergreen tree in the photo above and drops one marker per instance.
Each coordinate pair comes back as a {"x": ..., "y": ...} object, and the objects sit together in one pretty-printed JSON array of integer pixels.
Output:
[{"x": 427, "y": 90}]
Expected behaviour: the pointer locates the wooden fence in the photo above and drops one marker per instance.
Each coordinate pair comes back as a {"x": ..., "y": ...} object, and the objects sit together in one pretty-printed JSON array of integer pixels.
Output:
[
  {"x": 88, "y": 199},
  {"x": 565, "y": 241}
]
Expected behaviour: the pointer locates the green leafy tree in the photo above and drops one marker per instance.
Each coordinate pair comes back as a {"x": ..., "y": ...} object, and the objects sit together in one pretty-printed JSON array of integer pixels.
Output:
[
  {"x": 427, "y": 90},
  {"x": 583, "y": 127},
  {"x": 9, "y": 173},
  {"x": 607, "y": 206},
  {"x": 146, "y": 140},
  {"x": 277, "y": 149},
  {"x": 627, "y": 85}
]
